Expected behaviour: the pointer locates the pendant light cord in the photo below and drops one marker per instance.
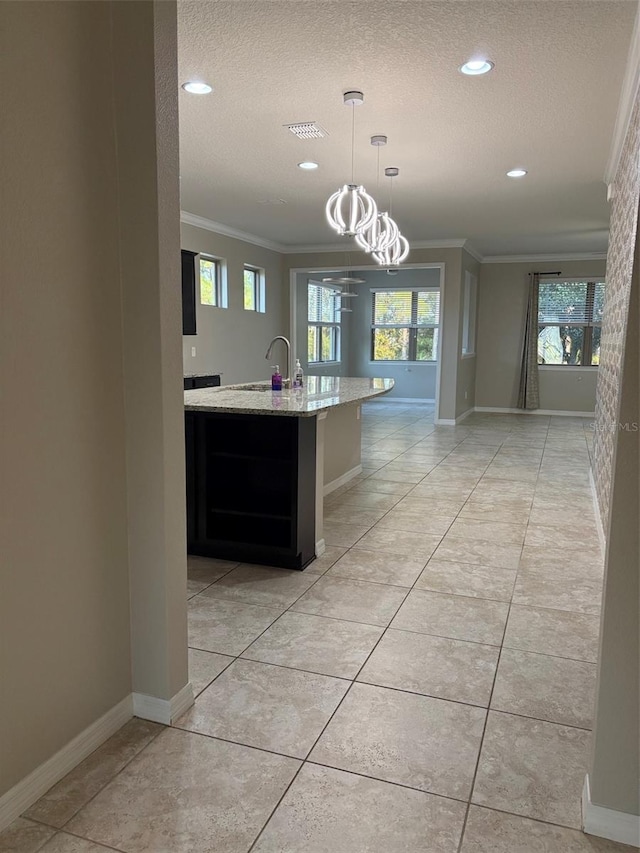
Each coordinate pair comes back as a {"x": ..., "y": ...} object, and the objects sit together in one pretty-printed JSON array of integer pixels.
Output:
[{"x": 353, "y": 140}]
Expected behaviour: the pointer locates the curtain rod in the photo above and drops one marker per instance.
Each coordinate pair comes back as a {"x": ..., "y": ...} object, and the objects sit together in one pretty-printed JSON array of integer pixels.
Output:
[{"x": 555, "y": 272}]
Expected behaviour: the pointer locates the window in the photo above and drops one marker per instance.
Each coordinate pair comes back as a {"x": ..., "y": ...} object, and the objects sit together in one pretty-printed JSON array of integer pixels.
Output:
[
  {"x": 210, "y": 282},
  {"x": 570, "y": 322},
  {"x": 323, "y": 340},
  {"x": 404, "y": 325},
  {"x": 254, "y": 299},
  {"x": 469, "y": 314}
]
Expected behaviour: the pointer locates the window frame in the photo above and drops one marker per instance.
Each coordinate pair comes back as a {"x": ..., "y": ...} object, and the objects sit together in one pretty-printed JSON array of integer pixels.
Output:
[
  {"x": 258, "y": 288},
  {"x": 319, "y": 325},
  {"x": 413, "y": 327},
  {"x": 588, "y": 326},
  {"x": 469, "y": 315},
  {"x": 220, "y": 281}
]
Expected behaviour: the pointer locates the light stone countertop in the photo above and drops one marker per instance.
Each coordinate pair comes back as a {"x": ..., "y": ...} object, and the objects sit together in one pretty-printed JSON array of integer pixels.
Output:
[{"x": 320, "y": 392}]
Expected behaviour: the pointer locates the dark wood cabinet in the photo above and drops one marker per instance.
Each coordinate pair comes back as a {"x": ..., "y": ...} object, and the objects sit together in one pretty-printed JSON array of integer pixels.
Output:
[
  {"x": 188, "y": 292},
  {"x": 191, "y": 382},
  {"x": 251, "y": 488}
]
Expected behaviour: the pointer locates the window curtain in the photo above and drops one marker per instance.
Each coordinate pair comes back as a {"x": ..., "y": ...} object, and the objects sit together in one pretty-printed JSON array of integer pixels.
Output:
[{"x": 529, "y": 394}]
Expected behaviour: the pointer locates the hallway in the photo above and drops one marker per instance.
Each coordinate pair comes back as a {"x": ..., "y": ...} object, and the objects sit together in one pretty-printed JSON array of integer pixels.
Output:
[{"x": 425, "y": 686}]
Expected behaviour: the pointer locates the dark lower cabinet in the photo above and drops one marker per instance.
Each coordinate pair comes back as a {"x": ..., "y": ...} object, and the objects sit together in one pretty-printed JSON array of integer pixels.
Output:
[
  {"x": 191, "y": 382},
  {"x": 251, "y": 488},
  {"x": 188, "y": 292}
]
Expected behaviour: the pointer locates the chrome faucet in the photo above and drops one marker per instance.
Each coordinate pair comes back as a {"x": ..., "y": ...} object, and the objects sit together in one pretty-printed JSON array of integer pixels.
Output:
[{"x": 286, "y": 382}]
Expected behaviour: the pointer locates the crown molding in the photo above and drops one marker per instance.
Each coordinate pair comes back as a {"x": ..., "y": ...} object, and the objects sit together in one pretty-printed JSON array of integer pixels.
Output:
[
  {"x": 227, "y": 231},
  {"x": 471, "y": 249},
  {"x": 628, "y": 93},
  {"x": 327, "y": 248},
  {"x": 319, "y": 248},
  {"x": 525, "y": 259}
]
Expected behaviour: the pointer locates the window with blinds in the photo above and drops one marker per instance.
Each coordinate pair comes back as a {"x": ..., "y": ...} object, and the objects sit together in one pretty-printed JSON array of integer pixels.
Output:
[
  {"x": 323, "y": 335},
  {"x": 405, "y": 325},
  {"x": 570, "y": 322}
]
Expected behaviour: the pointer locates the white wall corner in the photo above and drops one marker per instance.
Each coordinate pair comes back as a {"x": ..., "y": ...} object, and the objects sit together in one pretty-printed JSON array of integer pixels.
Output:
[
  {"x": 38, "y": 782},
  {"x": 607, "y": 823},
  {"x": 321, "y": 546},
  {"x": 465, "y": 415},
  {"x": 596, "y": 511},
  {"x": 628, "y": 93},
  {"x": 165, "y": 711}
]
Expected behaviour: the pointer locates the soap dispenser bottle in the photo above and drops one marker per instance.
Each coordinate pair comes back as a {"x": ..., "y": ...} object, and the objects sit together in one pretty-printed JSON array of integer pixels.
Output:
[
  {"x": 298, "y": 375},
  {"x": 276, "y": 378}
]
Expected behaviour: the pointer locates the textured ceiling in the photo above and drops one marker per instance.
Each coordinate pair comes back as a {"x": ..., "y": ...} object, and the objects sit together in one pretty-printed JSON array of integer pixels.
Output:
[{"x": 549, "y": 105}]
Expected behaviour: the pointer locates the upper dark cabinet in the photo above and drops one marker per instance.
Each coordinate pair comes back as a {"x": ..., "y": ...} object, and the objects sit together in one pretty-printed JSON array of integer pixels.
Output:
[{"x": 189, "y": 292}]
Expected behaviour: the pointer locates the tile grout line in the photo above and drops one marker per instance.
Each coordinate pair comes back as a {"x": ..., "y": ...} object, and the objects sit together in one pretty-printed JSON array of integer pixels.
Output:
[{"x": 495, "y": 678}]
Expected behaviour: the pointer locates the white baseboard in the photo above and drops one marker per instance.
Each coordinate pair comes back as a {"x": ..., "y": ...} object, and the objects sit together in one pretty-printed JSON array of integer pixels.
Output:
[
  {"x": 607, "y": 823},
  {"x": 38, "y": 782},
  {"x": 465, "y": 415},
  {"x": 320, "y": 547},
  {"x": 164, "y": 711},
  {"x": 409, "y": 400},
  {"x": 445, "y": 421},
  {"x": 341, "y": 481},
  {"x": 596, "y": 511},
  {"x": 554, "y": 412}
]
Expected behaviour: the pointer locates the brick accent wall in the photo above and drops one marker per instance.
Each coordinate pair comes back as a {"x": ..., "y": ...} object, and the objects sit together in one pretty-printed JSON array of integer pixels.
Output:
[{"x": 624, "y": 223}]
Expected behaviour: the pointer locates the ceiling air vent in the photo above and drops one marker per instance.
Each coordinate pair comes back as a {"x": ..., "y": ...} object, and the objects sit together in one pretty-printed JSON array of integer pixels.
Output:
[{"x": 307, "y": 130}]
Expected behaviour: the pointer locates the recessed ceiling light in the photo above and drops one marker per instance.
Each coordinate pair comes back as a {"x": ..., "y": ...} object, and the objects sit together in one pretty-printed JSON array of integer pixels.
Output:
[
  {"x": 516, "y": 173},
  {"x": 476, "y": 66},
  {"x": 196, "y": 88},
  {"x": 308, "y": 165}
]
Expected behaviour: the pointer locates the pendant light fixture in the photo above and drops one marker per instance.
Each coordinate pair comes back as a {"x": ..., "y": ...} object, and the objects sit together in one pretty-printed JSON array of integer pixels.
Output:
[
  {"x": 351, "y": 209},
  {"x": 396, "y": 252},
  {"x": 383, "y": 231}
]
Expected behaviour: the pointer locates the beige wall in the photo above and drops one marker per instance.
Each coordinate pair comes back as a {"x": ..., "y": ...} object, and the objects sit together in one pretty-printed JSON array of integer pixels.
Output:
[
  {"x": 502, "y": 304},
  {"x": 65, "y": 582},
  {"x": 343, "y": 429},
  {"x": 69, "y": 426},
  {"x": 146, "y": 100},
  {"x": 230, "y": 340}
]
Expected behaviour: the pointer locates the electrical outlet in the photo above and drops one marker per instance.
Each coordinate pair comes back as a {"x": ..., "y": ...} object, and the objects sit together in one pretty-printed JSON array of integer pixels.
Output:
[
  {"x": 193, "y": 352},
  {"x": 466, "y": 395},
  {"x": 357, "y": 413}
]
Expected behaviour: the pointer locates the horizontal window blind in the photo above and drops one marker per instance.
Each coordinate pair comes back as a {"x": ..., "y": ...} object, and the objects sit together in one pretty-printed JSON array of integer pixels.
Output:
[
  {"x": 406, "y": 307},
  {"x": 571, "y": 302},
  {"x": 323, "y": 305}
]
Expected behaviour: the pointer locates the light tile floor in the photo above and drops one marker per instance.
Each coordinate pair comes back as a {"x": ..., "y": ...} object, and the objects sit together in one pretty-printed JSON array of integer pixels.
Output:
[{"x": 426, "y": 686}]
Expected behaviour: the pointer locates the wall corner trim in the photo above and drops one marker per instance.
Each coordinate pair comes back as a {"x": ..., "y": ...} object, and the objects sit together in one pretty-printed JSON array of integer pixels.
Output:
[
  {"x": 465, "y": 415},
  {"x": 341, "y": 481},
  {"x": 164, "y": 711},
  {"x": 630, "y": 87},
  {"x": 602, "y": 539},
  {"x": 38, "y": 782},
  {"x": 607, "y": 823}
]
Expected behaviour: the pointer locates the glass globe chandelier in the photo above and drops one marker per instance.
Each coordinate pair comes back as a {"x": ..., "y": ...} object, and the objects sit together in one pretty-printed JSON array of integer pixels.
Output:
[{"x": 350, "y": 210}]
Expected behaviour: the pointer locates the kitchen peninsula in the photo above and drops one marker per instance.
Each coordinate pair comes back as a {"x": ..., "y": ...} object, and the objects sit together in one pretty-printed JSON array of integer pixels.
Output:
[{"x": 260, "y": 461}]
